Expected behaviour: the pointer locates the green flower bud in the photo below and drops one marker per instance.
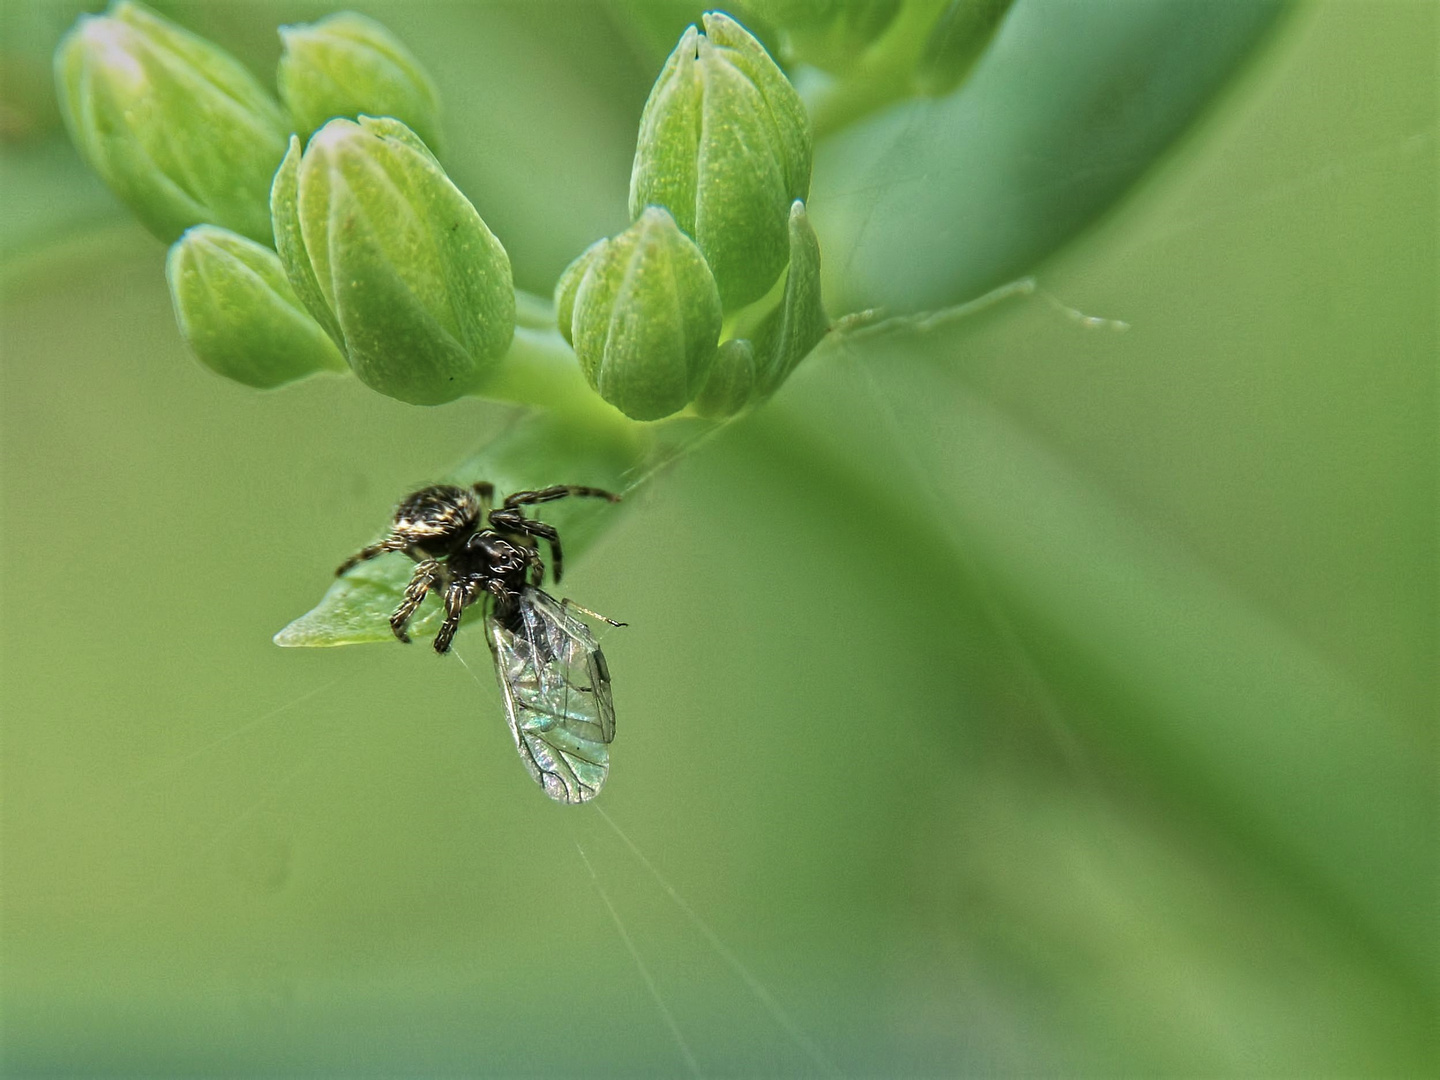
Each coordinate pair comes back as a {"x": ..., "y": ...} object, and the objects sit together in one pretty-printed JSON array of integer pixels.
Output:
[
  {"x": 569, "y": 285},
  {"x": 393, "y": 261},
  {"x": 747, "y": 370},
  {"x": 646, "y": 318},
  {"x": 239, "y": 314},
  {"x": 180, "y": 131},
  {"x": 731, "y": 383},
  {"x": 346, "y": 65},
  {"x": 725, "y": 147},
  {"x": 788, "y": 334}
]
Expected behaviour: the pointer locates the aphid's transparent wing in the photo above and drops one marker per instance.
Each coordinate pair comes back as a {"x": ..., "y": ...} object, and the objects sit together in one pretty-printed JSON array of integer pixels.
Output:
[{"x": 556, "y": 687}]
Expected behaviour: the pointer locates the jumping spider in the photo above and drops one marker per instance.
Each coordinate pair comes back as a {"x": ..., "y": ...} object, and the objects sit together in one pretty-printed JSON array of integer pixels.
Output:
[{"x": 471, "y": 551}]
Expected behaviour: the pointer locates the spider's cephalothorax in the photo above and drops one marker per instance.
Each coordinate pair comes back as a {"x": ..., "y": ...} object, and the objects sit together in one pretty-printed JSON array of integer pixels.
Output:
[{"x": 469, "y": 551}]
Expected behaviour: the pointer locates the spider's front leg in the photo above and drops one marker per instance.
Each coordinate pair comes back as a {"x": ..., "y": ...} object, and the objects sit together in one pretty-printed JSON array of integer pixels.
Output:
[
  {"x": 380, "y": 547},
  {"x": 559, "y": 491},
  {"x": 455, "y": 598},
  {"x": 427, "y": 575},
  {"x": 460, "y": 595}
]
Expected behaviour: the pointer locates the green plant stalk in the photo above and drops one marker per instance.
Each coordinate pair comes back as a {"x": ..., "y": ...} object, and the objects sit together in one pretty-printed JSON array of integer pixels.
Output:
[
  {"x": 884, "y": 74},
  {"x": 533, "y": 311},
  {"x": 540, "y": 369}
]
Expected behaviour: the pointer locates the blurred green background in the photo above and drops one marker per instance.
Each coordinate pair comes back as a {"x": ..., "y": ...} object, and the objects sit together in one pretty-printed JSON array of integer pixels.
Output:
[{"x": 1013, "y": 698}]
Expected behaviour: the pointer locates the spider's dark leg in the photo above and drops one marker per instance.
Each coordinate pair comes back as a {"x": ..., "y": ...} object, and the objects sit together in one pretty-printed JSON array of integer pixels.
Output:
[
  {"x": 380, "y": 547},
  {"x": 559, "y": 491},
  {"x": 516, "y": 522},
  {"x": 457, "y": 598},
  {"x": 426, "y": 575}
]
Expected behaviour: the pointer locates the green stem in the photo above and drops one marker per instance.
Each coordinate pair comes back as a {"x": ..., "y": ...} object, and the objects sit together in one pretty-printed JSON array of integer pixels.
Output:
[
  {"x": 884, "y": 74},
  {"x": 541, "y": 369},
  {"x": 534, "y": 312}
]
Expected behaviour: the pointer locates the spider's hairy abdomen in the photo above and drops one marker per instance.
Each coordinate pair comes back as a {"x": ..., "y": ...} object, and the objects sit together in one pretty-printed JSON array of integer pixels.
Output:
[{"x": 437, "y": 512}]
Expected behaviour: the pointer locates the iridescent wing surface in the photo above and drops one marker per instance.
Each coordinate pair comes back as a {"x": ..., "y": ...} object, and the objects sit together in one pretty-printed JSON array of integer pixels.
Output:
[{"x": 556, "y": 687}]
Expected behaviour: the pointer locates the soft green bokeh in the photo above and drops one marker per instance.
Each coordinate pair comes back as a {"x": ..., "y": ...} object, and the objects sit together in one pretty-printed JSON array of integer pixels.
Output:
[
  {"x": 931, "y": 201},
  {"x": 1017, "y": 697}
]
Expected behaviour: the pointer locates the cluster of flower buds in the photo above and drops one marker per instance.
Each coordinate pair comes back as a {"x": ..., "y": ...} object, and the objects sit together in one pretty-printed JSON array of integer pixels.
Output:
[
  {"x": 319, "y": 232},
  {"x": 722, "y": 166},
  {"x": 382, "y": 265},
  {"x": 725, "y": 146}
]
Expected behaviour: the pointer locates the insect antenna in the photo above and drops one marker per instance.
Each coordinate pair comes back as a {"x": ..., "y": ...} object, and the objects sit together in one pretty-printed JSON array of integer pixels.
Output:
[{"x": 568, "y": 603}]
